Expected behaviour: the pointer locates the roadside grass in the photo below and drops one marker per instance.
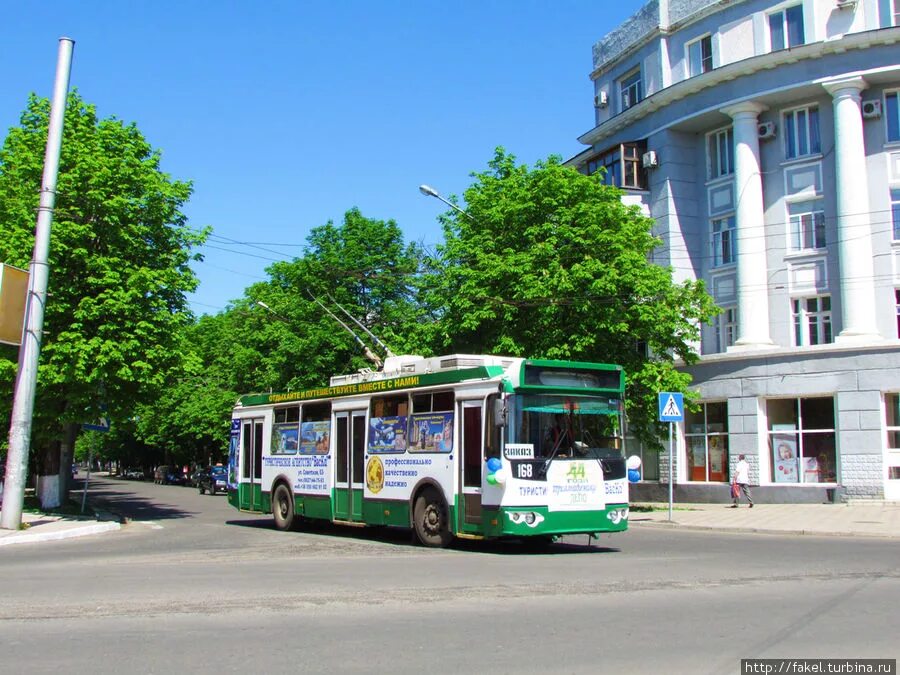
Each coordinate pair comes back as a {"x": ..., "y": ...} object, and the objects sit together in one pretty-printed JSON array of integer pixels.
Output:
[{"x": 69, "y": 509}]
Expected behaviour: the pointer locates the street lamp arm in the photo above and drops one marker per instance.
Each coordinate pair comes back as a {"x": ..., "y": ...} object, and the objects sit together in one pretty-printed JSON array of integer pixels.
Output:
[{"x": 429, "y": 191}]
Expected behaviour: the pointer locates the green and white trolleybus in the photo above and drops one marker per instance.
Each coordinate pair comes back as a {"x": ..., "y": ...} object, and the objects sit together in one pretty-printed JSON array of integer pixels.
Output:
[{"x": 451, "y": 446}]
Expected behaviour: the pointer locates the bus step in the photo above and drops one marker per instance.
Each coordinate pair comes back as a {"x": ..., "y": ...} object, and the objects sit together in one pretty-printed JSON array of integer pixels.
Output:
[
  {"x": 464, "y": 535},
  {"x": 351, "y": 523}
]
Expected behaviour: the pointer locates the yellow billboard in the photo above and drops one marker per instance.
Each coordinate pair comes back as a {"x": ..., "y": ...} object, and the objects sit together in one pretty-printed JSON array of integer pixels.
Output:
[{"x": 13, "y": 291}]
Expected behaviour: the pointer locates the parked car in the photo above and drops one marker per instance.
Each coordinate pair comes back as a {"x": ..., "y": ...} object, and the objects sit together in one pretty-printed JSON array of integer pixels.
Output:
[
  {"x": 168, "y": 475},
  {"x": 194, "y": 477},
  {"x": 213, "y": 480}
]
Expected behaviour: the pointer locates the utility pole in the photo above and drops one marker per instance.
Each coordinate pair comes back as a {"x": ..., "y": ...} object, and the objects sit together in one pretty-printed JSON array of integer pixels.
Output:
[{"x": 30, "y": 348}]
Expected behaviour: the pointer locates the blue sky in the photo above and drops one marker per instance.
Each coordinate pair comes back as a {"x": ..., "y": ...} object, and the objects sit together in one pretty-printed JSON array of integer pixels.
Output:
[{"x": 287, "y": 114}]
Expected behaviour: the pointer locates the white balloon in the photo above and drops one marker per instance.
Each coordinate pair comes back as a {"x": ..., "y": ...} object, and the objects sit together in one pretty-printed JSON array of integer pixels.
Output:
[
  {"x": 633, "y": 462},
  {"x": 501, "y": 475}
]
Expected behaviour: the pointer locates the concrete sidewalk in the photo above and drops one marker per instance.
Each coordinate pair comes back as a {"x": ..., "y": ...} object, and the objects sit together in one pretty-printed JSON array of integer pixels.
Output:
[
  {"x": 881, "y": 519},
  {"x": 38, "y": 527}
]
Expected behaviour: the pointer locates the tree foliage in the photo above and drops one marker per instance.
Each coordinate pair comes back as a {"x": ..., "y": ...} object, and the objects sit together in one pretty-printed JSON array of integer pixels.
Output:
[
  {"x": 551, "y": 264},
  {"x": 119, "y": 263},
  {"x": 362, "y": 263}
]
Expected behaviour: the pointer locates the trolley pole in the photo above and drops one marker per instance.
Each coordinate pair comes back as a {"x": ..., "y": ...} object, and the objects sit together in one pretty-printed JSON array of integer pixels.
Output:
[{"x": 30, "y": 348}]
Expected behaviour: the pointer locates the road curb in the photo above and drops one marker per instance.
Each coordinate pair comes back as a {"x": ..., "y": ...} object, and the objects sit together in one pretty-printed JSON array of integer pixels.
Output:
[
  {"x": 25, "y": 537},
  {"x": 758, "y": 530}
]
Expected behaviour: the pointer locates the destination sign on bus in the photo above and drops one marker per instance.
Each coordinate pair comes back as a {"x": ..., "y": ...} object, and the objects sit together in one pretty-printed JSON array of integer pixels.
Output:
[{"x": 519, "y": 450}]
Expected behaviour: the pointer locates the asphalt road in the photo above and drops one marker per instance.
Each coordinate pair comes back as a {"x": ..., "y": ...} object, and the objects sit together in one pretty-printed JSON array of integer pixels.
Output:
[{"x": 193, "y": 585}]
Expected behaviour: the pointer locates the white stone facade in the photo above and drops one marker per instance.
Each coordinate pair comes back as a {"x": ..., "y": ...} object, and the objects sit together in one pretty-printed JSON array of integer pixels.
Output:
[{"x": 774, "y": 128}]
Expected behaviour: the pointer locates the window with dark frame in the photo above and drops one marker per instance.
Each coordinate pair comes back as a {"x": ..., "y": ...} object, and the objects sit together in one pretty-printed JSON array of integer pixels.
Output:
[{"x": 622, "y": 166}]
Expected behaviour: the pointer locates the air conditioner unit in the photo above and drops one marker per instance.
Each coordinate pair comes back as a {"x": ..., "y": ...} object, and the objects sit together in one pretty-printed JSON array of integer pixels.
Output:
[
  {"x": 650, "y": 160},
  {"x": 601, "y": 100},
  {"x": 766, "y": 130},
  {"x": 871, "y": 109},
  {"x": 845, "y": 4}
]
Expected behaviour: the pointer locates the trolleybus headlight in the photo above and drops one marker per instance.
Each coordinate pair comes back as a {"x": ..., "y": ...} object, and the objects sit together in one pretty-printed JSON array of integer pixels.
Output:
[{"x": 529, "y": 518}]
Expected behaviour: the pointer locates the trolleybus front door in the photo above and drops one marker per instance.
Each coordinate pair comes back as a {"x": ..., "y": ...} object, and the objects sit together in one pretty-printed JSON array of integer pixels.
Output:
[
  {"x": 471, "y": 435},
  {"x": 250, "y": 489},
  {"x": 350, "y": 443}
]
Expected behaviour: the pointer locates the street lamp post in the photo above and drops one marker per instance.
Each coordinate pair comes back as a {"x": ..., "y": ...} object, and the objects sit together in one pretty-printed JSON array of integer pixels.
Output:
[
  {"x": 30, "y": 348},
  {"x": 429, "y": 191}
]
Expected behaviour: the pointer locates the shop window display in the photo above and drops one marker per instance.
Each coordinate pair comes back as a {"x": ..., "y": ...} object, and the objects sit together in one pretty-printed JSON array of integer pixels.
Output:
[
  {"x": 802, "y": 440},
  {"x": 706, "y": 433}
]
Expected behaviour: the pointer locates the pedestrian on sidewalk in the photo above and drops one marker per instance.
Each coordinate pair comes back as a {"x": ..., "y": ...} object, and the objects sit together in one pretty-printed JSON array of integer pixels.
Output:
[{"x": 740, "y": 482}]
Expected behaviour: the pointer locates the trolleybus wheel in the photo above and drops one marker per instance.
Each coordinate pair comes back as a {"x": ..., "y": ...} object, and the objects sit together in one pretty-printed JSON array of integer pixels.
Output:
[
  {"x": 430, "y": 519},
  {"x": 283, "y": 507}
]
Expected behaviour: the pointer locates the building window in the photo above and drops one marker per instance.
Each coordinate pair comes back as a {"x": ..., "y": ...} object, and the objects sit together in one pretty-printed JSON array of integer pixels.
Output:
[
  {"x": 649, "y": 469},
  {"x": 786, "y": 28},
  {"x": 812, "y": 320},
  {"x": 631, "y": 89},
  {"x": 802, "y": 440},
  {"x": 720, "y": 153},
  {"x": 807, "y": 223},
  {"x": 726, "y": 329},
  {"x": 892, "y": 410},
  {"x": 892, "y": 115},
  {"x": 723, "y": 240},
  {"x": 706, "y": 435},
  {"x": 801, "y": 132},
  {"x": 700, "y": 56},
  {"x": 895, "y": 212},
  {"x": 897, "y": 306},
  {"x": 890, "y": 13},
  {"x": 622, "y": 166}
]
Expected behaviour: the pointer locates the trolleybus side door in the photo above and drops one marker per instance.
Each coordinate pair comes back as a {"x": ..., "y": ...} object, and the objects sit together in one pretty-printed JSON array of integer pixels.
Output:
[
  {"x": 471, "y": 438},
  {"x": 350, "y": 443},
  {"x": 250, "y": 488}
]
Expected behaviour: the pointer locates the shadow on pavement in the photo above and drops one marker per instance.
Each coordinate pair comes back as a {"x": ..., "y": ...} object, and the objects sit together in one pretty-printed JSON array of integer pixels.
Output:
[
  {"x": 107, "y": 495},
  {"x": 398, "y": 536}
]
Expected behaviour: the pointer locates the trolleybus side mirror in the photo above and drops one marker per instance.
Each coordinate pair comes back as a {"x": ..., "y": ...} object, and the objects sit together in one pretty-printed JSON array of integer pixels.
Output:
[{"x": 500, "y": 412}]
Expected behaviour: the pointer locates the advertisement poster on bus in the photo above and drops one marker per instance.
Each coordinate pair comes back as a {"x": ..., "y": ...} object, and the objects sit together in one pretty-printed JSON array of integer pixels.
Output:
[
  {"x": 315, "y": 438},
  {"x": 284, "y": 439},
  {"x": 234, "y": 454},
  {"x": 387, "y": 434},
  {"x": 431, "y": 432}
]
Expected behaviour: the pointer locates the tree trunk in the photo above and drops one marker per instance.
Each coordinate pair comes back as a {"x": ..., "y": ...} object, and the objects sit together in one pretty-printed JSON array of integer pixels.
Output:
[
  {"x": 66, "y": 457},
  {"x": 47, "y": 483}
]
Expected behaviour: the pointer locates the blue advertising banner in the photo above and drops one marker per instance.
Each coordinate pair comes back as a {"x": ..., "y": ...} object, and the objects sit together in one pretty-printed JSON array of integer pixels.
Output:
[{"x": 387, "y": 434}]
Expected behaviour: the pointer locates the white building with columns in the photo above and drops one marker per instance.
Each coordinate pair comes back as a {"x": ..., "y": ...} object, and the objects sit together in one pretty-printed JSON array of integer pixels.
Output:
[{"x": 763, "y": 137}]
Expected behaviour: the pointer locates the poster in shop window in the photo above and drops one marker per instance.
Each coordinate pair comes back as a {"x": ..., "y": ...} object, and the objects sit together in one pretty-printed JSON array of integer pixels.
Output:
[{"x": 786, "y": 463}]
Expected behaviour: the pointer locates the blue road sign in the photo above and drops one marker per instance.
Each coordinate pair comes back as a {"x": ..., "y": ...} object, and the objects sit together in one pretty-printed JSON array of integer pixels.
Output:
[
  {"x": 99, "y": 425},
  {"x": 671, "y": 406}
]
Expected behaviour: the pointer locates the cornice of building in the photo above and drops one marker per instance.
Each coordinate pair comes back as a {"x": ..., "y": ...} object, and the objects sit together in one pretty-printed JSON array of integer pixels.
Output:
[{"x": 732, "y": 71}]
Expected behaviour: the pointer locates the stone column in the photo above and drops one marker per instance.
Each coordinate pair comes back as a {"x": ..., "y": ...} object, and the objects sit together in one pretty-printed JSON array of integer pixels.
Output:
[
  {"x": 854, "y": 228},
  {"x": 752, "y": 271}
]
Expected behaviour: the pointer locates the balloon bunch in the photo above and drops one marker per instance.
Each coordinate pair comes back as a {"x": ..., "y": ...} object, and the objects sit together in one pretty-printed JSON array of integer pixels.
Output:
[
  {"x": 496, "y": 473},
  {"x": 633, "y": 464}
]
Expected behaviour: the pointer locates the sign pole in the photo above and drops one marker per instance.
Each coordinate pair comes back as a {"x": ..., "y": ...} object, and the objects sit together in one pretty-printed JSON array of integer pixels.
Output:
[
  {"x": 671, "y": 410},
  {"x": 671, "y": 469},
  {"x": 87, "y": 478}
]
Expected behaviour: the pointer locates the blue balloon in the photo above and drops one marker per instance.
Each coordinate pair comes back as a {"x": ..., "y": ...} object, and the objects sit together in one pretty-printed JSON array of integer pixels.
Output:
[
  {"x": 634, "y": 475},
  {"x": 494, "y": 464}
]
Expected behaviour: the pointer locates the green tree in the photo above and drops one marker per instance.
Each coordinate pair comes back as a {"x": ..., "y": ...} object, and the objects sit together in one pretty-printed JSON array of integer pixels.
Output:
[
  {"x": 119, "y": 269},
  {"x": 362, "y": 263},
  {"x": 552, "y": 264}
]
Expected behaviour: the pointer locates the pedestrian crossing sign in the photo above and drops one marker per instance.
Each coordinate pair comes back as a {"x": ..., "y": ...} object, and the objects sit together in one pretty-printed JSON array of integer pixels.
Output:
[{"x": 671, "y": 406}]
